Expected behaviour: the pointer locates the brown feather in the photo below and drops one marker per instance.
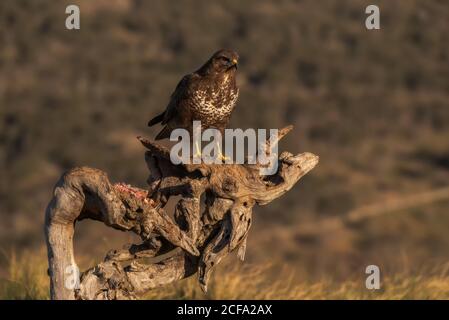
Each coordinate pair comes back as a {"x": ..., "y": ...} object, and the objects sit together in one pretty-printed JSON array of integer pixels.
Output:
[{"x": 208, "y": 95}]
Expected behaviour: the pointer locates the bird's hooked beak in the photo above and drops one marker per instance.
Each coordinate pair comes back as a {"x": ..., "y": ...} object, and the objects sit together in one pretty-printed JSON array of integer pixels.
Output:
[{"x": 234, "y": 63}]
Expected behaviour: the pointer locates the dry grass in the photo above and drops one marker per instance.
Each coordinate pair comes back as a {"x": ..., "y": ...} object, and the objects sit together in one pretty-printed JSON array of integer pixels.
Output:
[{"x": 26, "y": 278}]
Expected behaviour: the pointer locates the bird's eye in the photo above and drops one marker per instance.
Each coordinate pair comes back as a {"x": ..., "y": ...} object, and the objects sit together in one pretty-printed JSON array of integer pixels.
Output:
[{"x": 225, "y": 59}]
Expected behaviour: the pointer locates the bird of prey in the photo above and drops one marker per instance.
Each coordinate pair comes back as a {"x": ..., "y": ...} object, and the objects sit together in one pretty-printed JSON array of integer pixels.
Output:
[{"x": 208, "y": 95}]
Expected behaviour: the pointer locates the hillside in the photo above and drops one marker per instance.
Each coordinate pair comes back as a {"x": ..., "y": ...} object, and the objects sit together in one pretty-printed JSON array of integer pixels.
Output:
[{"x": 372, "y": 104}]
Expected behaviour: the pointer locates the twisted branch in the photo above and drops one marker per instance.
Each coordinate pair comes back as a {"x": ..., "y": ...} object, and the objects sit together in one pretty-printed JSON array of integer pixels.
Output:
[{"x": 205, "y": 235}]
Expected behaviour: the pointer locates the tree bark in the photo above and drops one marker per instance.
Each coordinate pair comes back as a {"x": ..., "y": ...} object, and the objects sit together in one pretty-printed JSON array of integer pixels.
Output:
[{"x": 199, "y": 238}]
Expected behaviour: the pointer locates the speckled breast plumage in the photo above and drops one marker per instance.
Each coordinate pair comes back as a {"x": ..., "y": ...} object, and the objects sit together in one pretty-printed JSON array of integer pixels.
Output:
[{"x": 213, "y": 103}]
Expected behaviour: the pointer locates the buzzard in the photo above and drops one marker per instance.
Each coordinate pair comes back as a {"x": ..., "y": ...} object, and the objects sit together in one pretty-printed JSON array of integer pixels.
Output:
[{"x": 207, "y": 95}]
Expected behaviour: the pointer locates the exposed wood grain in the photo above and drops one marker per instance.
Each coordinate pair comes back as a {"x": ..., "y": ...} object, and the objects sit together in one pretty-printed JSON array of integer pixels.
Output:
[{"x": 199, "y": 237}]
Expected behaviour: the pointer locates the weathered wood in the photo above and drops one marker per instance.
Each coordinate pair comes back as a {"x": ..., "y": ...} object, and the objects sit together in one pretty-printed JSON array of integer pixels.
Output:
[{"x": 205, "y": 235}]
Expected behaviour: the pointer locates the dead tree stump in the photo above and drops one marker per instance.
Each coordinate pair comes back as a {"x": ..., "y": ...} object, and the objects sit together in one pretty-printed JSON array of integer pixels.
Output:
[{"x": 205, "y": 233}]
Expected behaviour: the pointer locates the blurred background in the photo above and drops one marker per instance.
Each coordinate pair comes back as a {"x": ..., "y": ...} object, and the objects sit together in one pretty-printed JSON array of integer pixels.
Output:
[{"x": 372, "y": 104}]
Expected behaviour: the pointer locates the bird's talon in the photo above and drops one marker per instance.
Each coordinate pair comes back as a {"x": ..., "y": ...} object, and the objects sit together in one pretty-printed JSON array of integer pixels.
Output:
[{"x": 225, "y": 158}]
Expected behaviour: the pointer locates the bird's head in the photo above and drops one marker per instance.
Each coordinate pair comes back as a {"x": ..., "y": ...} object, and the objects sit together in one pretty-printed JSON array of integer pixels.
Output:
[{"x": 222, "y": 61}]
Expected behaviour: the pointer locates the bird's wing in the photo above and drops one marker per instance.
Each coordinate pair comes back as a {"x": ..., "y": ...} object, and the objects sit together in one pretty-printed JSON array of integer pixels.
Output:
[{"x": 180, "y": 92}]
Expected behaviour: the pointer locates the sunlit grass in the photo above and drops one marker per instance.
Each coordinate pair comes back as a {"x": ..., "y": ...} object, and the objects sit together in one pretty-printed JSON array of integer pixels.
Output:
[{"x": 26, "y": 278}]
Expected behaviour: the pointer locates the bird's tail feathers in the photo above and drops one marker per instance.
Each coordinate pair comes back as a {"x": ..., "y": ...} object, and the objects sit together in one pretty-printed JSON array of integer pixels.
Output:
[
  {"x": 156, "y": 119},
  {"x": 165, "y": 133}
]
